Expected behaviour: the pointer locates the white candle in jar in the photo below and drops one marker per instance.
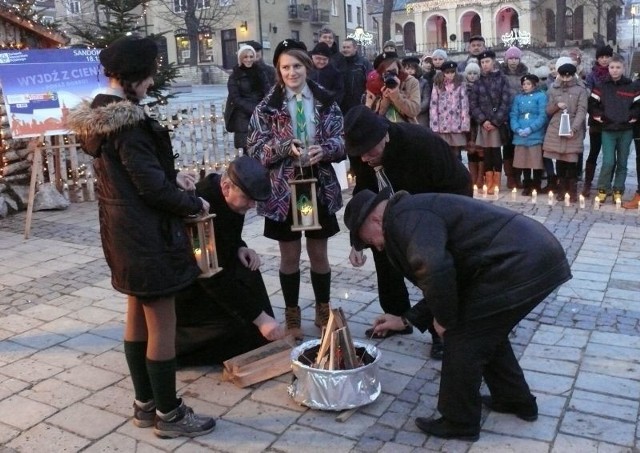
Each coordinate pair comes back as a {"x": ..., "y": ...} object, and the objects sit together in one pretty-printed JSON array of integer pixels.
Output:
[
  {"x": 567, "y": 199},
  {"x": 596, "y": 203},
  {"x": 582, "y": 202},
  {"x": 550, "y": 195},
  {"x": 484, "y": 191},
  {"x": 475, "y": 190},
  {"x": 534, "y": 196},
  {"x": 514, "y": 194},
  {"x": 618, "y": 202}
]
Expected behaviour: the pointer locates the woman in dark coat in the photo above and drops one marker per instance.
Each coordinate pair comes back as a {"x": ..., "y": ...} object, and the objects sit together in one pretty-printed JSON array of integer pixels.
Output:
[
  {"x": 247, "y": 85},
  {"x": 141, "y": 209}
]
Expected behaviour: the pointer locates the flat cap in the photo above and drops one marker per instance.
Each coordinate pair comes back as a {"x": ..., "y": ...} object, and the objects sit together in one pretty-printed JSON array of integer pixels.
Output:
[
  {"x": 251, "y": 177},
  {"x": 363, "y": 129},
  {"x": 357, "y": 210},
  {"x": 131, "y": 56}
]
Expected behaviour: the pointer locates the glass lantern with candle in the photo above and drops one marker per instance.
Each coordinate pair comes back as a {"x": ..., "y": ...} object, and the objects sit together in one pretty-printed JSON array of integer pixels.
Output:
[
  {"x": 304, "y": 204},
  {"x": 203, "y": 243}
]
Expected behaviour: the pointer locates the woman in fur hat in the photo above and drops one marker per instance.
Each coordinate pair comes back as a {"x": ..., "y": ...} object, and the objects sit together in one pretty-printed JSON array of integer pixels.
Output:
[
  {"x": 141, "y": 209},
  {"x": 296, "y": 131}
]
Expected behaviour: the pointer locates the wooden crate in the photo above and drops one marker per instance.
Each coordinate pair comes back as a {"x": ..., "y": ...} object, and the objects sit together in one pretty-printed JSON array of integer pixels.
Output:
[{"x": 266, "y": 362}]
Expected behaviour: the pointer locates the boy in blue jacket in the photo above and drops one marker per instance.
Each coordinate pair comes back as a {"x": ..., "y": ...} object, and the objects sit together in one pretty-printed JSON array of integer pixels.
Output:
[{"x": 615, "y": 104}]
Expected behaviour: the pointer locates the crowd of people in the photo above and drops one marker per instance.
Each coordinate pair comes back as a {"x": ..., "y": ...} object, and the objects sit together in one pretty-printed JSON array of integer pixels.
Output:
[{"x": 404, "y": 124}]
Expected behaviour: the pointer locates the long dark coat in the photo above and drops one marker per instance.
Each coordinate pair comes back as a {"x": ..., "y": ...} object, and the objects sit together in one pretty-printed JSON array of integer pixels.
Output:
[
  {"x": 141, "y": 208},
  {"x": 418, "y": 161},
  {"x": 246, "y": 88},
  {"x": 469, "y": 266}
]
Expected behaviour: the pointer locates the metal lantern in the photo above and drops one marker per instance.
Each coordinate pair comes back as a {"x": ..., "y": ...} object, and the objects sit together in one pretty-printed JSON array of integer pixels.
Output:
[
  {"x": 203, "y": 244},
  {"x": 304, "y": 204}
]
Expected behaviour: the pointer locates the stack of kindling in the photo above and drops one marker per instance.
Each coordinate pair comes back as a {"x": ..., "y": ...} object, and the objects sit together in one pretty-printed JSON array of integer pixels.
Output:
[{"x": 337, "y": 351}]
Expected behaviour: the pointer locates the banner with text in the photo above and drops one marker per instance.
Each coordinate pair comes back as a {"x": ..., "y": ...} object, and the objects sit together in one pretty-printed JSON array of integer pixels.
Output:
[{"x": 40, "y": 86}]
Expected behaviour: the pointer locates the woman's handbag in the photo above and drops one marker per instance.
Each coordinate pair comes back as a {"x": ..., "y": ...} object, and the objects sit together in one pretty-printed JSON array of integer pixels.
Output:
[{"x": 229, "y": 110}]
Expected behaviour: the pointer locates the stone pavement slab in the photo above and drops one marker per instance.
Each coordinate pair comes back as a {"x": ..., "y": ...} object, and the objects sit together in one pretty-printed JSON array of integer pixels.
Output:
[{"x": 64, "y": 383}]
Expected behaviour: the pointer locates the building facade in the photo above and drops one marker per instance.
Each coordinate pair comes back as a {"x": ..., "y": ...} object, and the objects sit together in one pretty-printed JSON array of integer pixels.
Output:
[{"x": 423, "y": 26}]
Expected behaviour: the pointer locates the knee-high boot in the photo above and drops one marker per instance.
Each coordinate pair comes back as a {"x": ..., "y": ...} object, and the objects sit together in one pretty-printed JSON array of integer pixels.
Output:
[{"x": 480, "y": 181}]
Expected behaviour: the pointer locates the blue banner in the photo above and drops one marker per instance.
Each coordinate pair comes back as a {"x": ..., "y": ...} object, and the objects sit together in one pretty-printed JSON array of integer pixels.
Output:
[{"x": 40, "y": 86}]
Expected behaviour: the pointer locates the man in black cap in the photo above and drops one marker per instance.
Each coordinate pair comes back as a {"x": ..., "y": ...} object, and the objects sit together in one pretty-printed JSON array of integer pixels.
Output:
[
  {"x": 269, "y": 71},
  {"x": 481, "y": 269},
  {"x": 475, "y": 47},
  {"x": 406, "y": 157},
  {"x": 324, "y": 73},
  {"x": 230, "y": 313}
]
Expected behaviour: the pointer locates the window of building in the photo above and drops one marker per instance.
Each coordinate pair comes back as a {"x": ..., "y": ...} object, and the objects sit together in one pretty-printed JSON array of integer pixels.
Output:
[
  {"x": 73, "y": 7},
  {"x": 349, "y": 14},
  {"x": 183, "y": 47},
  {"x": 568, "y": 24},
  {"x": 334, "y": 7},
  {"x": 180, "y": 6},
  {"x": 359, "y": 15},
  {"x": 205, "y": 45},
  {"x": 295, "y": 34}
]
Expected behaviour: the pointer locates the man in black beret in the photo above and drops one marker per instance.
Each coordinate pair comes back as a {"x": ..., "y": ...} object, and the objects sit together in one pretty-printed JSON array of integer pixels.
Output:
[
  {"x": 268, "y": 71},
  {"x": 407, "y": 157},
  {"x": 230, "y": 313},
  {"x": 481, "y": 269}
]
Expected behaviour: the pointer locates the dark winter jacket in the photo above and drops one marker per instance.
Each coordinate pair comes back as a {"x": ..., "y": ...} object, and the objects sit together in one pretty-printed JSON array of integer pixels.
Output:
[
  {"x": 246, "y": 87},
  {"x": 490, "y": 99},
  {"x": 354, "y": 71},
  {"x": 270, "y": 138},
  {"x": 515, "y": 86},
  {"x": 269, "y": 73},
  {"x": 615, "y": 102},
  {"x": 469, "y": 266},
  {"x": 597, "y": 75},
  {"x": 141, "y": 208},
  {"x": 426, "y": 86},
  {"x": 418, "y": 160},
  {"x": 331, "y": 79}
]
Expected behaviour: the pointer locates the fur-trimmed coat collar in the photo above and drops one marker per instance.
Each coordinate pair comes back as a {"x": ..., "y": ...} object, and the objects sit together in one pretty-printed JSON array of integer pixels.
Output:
[{"x": 106, "y": 115}]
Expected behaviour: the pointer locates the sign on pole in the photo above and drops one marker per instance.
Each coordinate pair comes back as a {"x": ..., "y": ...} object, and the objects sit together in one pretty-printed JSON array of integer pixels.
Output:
[{"x": 40, "y": 86}]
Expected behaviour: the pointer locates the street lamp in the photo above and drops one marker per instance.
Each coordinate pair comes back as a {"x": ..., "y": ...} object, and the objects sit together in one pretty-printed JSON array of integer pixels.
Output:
[{"x": 362, "y": 37}]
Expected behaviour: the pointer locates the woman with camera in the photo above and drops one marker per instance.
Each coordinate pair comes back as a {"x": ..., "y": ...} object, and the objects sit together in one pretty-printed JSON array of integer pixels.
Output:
[{"x": 391, "y": 92}]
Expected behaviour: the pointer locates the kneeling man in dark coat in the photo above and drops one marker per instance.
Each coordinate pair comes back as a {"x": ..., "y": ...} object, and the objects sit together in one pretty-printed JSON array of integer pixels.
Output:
[
  {"x": 482, "y": 269},
  {"x": 230, "y": 313}
]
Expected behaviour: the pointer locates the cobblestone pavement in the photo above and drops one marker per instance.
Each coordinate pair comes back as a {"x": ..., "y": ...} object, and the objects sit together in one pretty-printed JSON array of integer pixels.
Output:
[{"x": 64, "y": 383}]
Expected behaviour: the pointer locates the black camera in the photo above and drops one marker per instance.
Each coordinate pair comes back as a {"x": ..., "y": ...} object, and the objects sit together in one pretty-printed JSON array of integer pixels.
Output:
[{"x": 389, "y": 79}]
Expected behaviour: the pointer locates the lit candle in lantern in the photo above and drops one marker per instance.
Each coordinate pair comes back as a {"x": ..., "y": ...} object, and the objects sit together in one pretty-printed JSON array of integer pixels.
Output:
[
  {"x": 567, "y": 199},
  {"x": 306, "y": 211},
  {"x": 484, "y": 191},
  {"x": 534, "y": 196},
  {"x": 582, "y": 202},
  {"x": 514, "y": 194}
]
